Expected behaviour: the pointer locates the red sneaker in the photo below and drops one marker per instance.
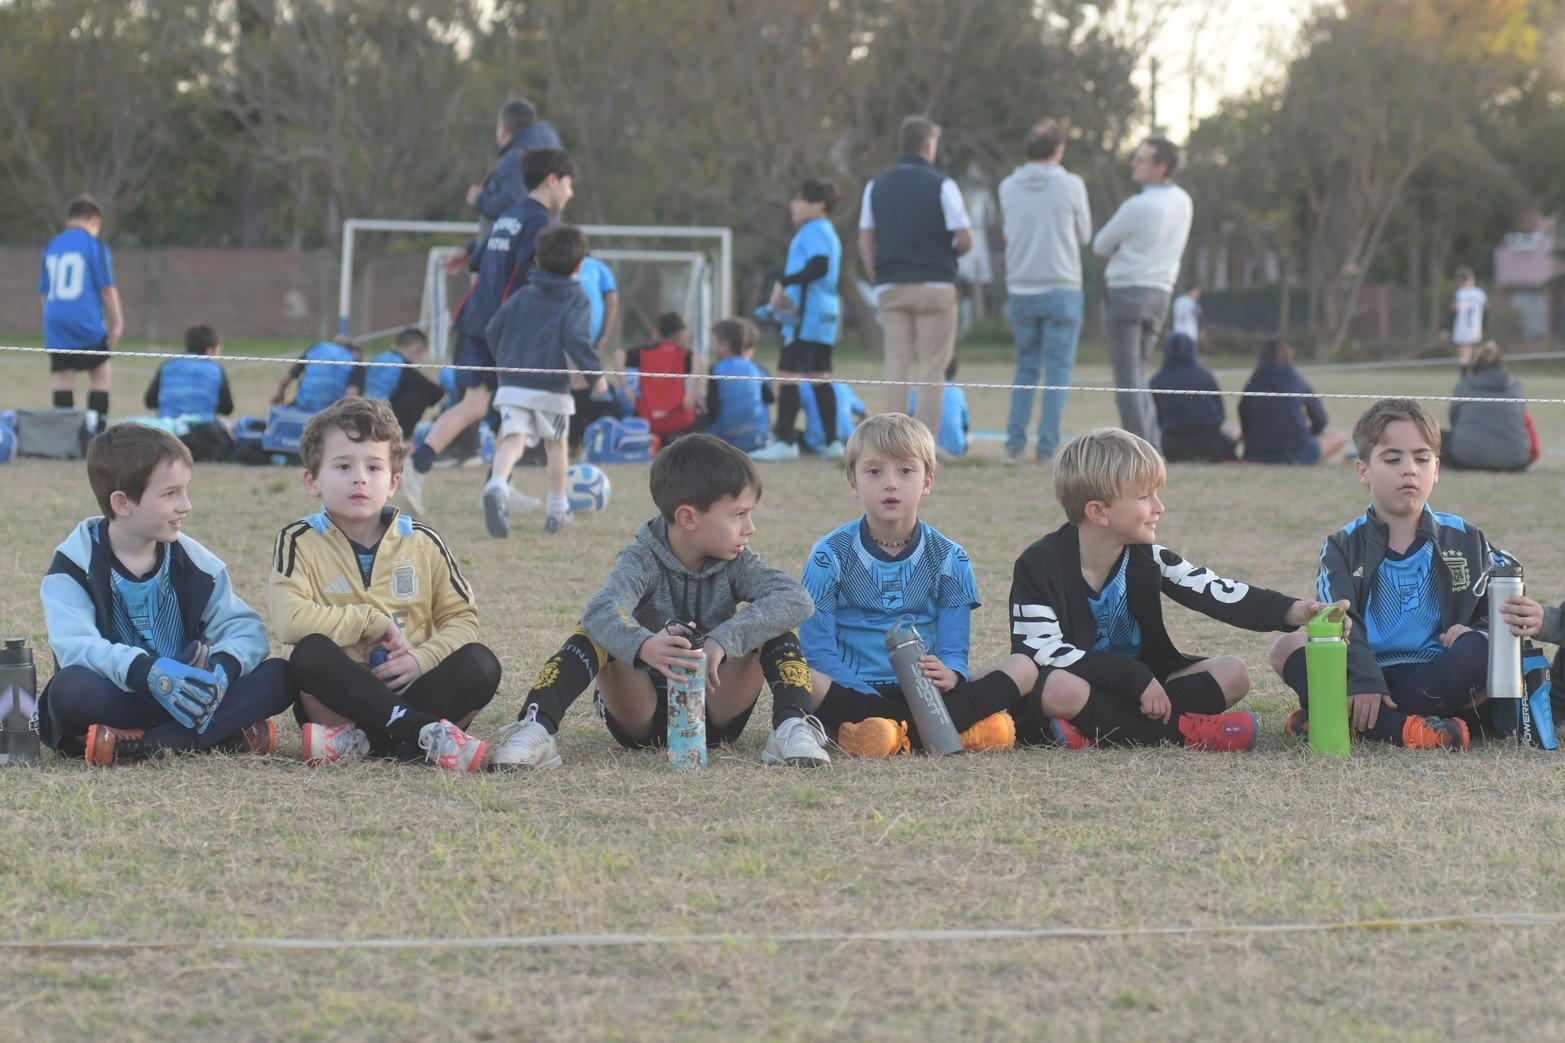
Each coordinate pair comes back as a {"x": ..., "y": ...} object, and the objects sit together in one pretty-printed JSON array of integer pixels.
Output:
[
  {"x": 108, "y": 746},
  {"x": 1435, "y": 733},
  {"x": 1231, "y": 732},
  {"x": 1068, "y": 735},
  {"x": 451, "y": 748},
  {"x": 260, "y": 738}
]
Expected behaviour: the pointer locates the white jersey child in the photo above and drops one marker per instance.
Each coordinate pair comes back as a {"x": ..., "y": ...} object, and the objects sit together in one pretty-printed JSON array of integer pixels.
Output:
[{"x": 1467, "y": 308}]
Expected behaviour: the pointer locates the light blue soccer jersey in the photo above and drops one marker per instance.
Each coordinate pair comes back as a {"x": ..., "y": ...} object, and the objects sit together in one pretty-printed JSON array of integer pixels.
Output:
[
  {"x": 597, "y": 279},
  {"x": 76, "y": 270},
  {"x": 1118, "y": 630},
  {"x": 817, "y": 305},
  {"x": 860, "y": 592},
  {"x": 1402, "y": 618},
  {"x": 146, "y": 611}
]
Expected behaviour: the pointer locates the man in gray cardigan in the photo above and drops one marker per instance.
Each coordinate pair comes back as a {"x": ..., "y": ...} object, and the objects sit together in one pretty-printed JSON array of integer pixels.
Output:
[{"x": 1144, "y": 242}]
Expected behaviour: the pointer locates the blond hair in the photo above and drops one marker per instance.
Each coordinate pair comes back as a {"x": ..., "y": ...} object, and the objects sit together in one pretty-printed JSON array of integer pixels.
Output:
[
  {"x": 895, "y": 436},
  {"x": 1105, "y": 464},
  {"x": 1371, "y": 427}
]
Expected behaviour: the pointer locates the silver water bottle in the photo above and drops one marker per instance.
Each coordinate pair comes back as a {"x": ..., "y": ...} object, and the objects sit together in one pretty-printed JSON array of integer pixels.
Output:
[
  {"x": 1505, "y": 648},
  {"x": 18, "y": 703},
  {"x": 936, "y": 732}
]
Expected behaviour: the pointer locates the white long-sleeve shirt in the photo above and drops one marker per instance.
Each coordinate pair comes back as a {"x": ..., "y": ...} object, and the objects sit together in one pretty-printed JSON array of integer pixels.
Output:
[{"x": 1146, "y": 237}]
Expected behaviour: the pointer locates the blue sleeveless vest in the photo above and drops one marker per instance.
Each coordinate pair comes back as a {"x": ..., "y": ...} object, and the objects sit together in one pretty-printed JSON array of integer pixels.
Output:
[
  {"x": 381, "y": 381},
  {"x": 322, "y": 385},
  {"x": 189, "y": 387},
  {"x": 742, "y": 417}
]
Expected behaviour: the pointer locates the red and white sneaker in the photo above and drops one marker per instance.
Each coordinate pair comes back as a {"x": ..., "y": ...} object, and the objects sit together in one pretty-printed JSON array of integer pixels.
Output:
[
  {"x": 1231, "y": 732},
  {"x": 327, "y": 743},
  {"x": 1068, "y": 735},
  {"x": 451, "y": 748}
]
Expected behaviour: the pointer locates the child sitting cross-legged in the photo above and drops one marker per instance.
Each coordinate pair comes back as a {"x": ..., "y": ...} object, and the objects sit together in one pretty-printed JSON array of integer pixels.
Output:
[
  {"x": 1086, "y": 605},
  {"x": 360, "y": 578},
  {"x": 866, "y": 575}
]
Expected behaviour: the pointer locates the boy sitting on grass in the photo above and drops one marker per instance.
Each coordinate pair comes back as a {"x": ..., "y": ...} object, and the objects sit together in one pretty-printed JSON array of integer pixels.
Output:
[
  {"x": 691, "y": 565},
  {"x": 868, "y": 574},
  {"x": 358, "y": 579},
  {"x": 153, "y": 648},
  {"x": 1085, "y": 606},
  {"x": 1418, "y": 653}
]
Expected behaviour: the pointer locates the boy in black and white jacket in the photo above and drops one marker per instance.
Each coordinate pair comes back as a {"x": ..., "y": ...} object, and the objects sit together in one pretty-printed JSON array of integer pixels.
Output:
[{"x": 1085, "y": 606}]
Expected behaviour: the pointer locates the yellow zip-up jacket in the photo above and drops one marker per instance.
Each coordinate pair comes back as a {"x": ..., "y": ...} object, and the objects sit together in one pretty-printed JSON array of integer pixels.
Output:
[{"x": 316, "y": 588}]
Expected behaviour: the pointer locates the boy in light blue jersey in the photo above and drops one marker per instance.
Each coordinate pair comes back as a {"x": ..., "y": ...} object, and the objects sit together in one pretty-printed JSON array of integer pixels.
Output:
[
  {"x": 410, "y": 393},
  {"x": 866, "y": 575},
  {"x": 738, "y": 410},
  {"x": 81, "y": 307},
  {"x": 193, "y": 391},
  {"x": 325, "y": 372}
]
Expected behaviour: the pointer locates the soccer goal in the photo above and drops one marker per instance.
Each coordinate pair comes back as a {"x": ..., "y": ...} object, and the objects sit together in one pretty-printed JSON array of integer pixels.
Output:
[{"x": 657, "y": 268}]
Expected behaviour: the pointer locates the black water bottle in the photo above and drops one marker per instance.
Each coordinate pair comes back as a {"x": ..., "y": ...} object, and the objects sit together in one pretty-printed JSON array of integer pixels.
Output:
[{"x": 18, "y": 703}]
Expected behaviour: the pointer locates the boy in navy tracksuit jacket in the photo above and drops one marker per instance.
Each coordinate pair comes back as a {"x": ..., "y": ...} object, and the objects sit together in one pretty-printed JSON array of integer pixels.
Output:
[{"x": 154, "y": 649}]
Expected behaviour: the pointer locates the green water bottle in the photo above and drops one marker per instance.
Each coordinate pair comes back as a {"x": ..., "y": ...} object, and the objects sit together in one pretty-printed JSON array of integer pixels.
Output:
[{"x": 1326, "y": 661}]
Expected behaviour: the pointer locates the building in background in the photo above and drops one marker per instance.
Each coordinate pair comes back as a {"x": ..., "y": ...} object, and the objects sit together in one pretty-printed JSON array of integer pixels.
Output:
[{"x": 1529, "y": 274}]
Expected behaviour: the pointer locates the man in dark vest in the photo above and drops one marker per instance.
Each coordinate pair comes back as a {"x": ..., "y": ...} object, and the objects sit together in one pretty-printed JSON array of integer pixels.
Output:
[{"x": 912, "y": 228}]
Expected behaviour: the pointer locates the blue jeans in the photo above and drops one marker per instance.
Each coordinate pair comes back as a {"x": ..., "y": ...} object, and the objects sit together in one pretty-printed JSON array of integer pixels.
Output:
[{"x": 1046, "y": 326}]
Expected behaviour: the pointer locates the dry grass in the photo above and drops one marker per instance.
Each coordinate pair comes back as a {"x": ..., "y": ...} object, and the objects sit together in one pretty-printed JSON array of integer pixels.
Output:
[{"x": 211, "y": 847}]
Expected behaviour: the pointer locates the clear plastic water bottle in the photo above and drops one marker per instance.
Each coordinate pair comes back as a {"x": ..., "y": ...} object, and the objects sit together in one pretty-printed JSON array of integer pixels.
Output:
[
  {"x": 687, "y": 710},
  {"x": 1326, "y": 665},
  {"x": 936, "y": 732},
  {"x": 18, "y": 703}
]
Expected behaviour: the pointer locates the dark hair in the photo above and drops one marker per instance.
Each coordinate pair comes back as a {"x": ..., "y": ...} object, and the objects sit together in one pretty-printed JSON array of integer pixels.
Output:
[
  {"x": 560, "y": 249},
  {"x": 516, "y": 114},
  {"x": 1164, "y": 153},
  {"x": 1275, "y": 351},
  {"x": 669, "y": 324},
  {"x": 697, "y": 471},
  {"x": 1371, "y": 426},
  {"x": 410, "y": 335},
  {"x": 951, "y": 369},
  {"x": 83, "y": 207},
  {"x": 1464, "y": 273},
  {"x": 1044, "y": 140},
  {"x": 362, "y": 420},
  {"x": 917, "y": 132},
  {"x": 123, "y": 458},
  {"x": 1488, "y": 357},
  {"x": 813, "y": 190},
  {"x": 539, "y": 163},
  {"x": 200, "y": 339},
  {"x": 732, "y": 333}
]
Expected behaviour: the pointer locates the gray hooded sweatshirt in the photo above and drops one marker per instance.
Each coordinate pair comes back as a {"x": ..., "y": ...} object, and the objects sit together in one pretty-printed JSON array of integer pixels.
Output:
[
  {"x": 650, "y": 587},
  {"x": 1047, "y": 224}
]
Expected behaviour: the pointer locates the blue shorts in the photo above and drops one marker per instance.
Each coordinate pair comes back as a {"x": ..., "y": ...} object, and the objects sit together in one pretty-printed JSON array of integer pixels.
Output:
[
  {"x": 474, "y": 351},
  {"x": 1305, "y": 455}
]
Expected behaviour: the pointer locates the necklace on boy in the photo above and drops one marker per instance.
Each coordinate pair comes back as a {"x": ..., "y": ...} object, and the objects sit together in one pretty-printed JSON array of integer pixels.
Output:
[{"x": 891, "y": 544}]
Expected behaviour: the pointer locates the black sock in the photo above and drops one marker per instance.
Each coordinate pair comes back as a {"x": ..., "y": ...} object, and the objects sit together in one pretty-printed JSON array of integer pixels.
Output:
[
  {"x": 423, "y": 458},
  {"x": 845, "y": 706},
  {"x": 787, "y": 411},
  {"x": 65, "y": 399},
  {"x": 99, "y": 401},
  {"x": 1195, "y": 693},
  {"x": 787, "y": 675},
  {"x": 319, "y": 667},
  {"x": 1108, "y": 719},
  {"x": 1388, "y": 723},
  {"x": 826, "y": 401},
  {"x": 564, "y": 676},
  {"x": 972, "y": 701}
]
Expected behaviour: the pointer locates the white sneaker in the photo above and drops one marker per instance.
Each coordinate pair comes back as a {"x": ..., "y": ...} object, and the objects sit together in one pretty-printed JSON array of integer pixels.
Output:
[
  {"x": 412, "y": 488},
  {"x": 558, "y": 522},
  {"x": 834, "y": 451},
  {"x": 798, "y": 741},
  {"x": 778, "y": 450},
  {"x": 525, "y": 744},
  {"x": 516, "y": 501},
  {"x": 1010, "y": 457},
  {"x": 496, "y": 510},
  {"x": 325, "y": 743},
  {"x": 449, "y": 747}
]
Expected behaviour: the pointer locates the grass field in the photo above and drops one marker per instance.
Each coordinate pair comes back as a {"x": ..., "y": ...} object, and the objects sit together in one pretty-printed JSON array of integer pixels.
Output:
[{"x": 208, "y": 848}]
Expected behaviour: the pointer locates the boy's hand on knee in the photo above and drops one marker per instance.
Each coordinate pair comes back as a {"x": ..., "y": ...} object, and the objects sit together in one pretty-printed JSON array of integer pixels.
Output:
[
  {"x": 1155, "y": 704},
  {"x": 1364, "y": 709},
  {"x": 188, "y": 693},
  {"x": 1523, "y": 615},
  {"x": 930, "y": 666},
  {"x": 1449, "y": 637}
]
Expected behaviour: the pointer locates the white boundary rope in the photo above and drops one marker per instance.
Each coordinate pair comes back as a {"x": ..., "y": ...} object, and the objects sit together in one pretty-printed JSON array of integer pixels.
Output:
[
  {"x": 894, "y": 937},
  {"x": 292, "y": 360}
]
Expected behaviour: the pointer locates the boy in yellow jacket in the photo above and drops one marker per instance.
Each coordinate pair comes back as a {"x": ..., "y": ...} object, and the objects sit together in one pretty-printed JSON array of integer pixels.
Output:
[{"x": 384, "y": 628}]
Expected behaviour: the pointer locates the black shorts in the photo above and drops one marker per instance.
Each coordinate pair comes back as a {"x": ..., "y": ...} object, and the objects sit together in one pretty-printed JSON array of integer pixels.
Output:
[
  {"x": 805, "y": 356},
  {"x": 474, "y": 351},
  {"x": 73, "y": 362},
  {"x": 657, "y": 738}
]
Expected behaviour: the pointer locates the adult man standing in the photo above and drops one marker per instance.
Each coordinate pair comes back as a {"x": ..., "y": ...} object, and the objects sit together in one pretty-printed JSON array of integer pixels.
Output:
[
  {"x": 912, "y": 227},
  {"x": 1144, "y": 242},
  {"x": 517, "y": 129},
  {"x": 1047, "y": 222}
]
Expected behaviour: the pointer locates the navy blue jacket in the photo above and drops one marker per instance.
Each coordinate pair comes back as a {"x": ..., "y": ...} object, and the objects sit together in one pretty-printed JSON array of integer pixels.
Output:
[
  {"x": 1279, "y": 425},
  {"x": 505, "y": 187},
  {"x": 1185, "y": 414},
  {"x": 544, "y": 325}
]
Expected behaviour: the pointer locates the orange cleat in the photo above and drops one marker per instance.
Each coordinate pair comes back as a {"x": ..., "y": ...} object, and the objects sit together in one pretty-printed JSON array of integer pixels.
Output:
[
  {"x": 875, "y": 737},
  {"x": 995, "y": 732},
  {"x": 1231, "y": 732},
  {"x": 1435, "y": 733},
  {"x": 109, "y": 746}
]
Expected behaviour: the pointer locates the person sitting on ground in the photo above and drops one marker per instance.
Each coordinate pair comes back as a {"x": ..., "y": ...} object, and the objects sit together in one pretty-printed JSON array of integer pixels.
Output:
[
  {"x": 738, "y": 409},
  {"x": 1489, "y": 436},
  {"x": 955, "y": 419},
  {"x": 1192, "y": 425},
  {"x": 1284, "y": 430},
  {"x": 193, "y": 391},
  {"x": 409, "y": 391},
  {"x": 326, "y": 373},
  {"x": 664, "y": 394}
]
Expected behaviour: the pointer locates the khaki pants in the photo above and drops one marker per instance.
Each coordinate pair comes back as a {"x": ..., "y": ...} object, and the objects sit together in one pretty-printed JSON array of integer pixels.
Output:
[{"x": 920, "y": 324}]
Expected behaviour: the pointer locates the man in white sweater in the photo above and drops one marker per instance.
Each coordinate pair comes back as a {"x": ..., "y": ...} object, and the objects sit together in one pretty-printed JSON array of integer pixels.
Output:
[
  {"x": 1144, "y": 242},
  {"x": 1047, "y": 223}
]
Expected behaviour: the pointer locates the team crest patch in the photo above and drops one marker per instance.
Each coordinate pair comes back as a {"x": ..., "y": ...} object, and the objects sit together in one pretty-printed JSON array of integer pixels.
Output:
[
  {"x": 404, "y": 582},
  {"x": 891, "y": 594},
  {"x": 1456, "y": 564}
]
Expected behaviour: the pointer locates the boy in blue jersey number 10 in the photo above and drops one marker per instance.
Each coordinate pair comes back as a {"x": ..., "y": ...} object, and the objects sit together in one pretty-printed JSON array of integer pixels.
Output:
[{"x": 81, "y": 307}]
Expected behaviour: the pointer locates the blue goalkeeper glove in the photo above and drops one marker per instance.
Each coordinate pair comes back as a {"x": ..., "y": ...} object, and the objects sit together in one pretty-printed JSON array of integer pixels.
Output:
[{"x": 188, "y": 692}]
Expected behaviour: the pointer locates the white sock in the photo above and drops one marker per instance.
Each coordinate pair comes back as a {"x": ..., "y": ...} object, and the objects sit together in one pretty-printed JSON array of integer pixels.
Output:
[
  {"x": 495, "y": 482},
  {"x": 558, "y": 504}
]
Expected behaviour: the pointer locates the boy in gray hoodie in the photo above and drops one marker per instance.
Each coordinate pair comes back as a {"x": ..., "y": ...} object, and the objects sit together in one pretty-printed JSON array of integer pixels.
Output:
[
  {"x": 690, "y": 567},
  {"x": 545, "y": 326}
]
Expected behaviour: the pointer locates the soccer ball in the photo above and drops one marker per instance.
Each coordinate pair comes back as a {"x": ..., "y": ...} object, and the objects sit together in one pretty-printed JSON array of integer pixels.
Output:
[{"x": 587, "y": 488}]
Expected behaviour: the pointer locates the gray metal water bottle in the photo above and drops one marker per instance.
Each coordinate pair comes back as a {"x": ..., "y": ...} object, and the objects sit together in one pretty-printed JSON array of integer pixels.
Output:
[
  {"x": 936, "y": 732},
  {"x": 1505, "y": 648},
  {"x": 18, "y": 703}
]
